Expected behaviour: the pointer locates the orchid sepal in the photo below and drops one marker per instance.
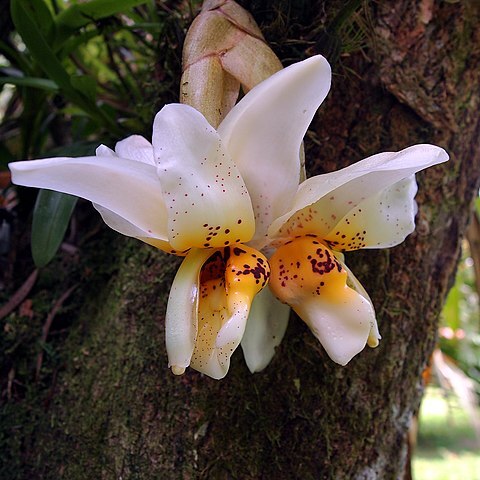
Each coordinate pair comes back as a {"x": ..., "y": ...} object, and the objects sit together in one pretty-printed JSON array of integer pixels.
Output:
[
  {"x": 103, "y": 181},
  {"x": 343, "y": 328},
  {"x": 207, "y": 201},
  {"x": 321, "y": 202}
]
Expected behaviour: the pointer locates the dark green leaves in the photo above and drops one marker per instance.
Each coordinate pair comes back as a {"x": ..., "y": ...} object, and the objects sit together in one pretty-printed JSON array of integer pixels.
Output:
[
  {"x": 82, "y": 70},
  {"x": 34, "y": 82},
  {"x": 37, "y": 38},
  {"x": 51, "y": 216},
  {"x": 80, "y": 14}
]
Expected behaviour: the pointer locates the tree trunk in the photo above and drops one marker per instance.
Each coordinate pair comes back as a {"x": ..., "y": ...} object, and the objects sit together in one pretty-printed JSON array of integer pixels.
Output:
[{"x": 108, "y": 407}]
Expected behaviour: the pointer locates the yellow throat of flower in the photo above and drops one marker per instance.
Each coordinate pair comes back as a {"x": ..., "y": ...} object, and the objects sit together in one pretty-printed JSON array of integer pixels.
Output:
[
  {"x": 307, "y": 276},
  {"x": 229, "y": 281},
  {"x": 305, "y": 268}
]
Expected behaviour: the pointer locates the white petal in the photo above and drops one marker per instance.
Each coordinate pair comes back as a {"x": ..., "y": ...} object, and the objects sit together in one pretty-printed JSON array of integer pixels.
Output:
[
  {"x": 374, "y": 336},
  {"x": 208, "y": 203},
  {"x": 322, "y": 201},
  {"x": 119, "y": 224},
  {"x": 381, "y": 221},
  {"x": 219, "y": 334},
  {"x": 264, "y": 132},
  {"x": 266, "y": 327},
  {"x": 342, "y": 327},
  {"x": 135, "y": 147},
  {"x": 181, "y": 318},
  {"x": 104, "y": 151},
  {"x": 129, "y": 189}
]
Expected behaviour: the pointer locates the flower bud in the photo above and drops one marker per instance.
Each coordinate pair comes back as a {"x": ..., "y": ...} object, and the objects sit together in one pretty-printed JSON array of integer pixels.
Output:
[{"x": 224, "y": 49}]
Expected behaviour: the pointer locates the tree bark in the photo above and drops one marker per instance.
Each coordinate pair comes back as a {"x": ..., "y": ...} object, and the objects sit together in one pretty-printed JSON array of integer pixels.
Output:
[{"x": 112, "y": 409}]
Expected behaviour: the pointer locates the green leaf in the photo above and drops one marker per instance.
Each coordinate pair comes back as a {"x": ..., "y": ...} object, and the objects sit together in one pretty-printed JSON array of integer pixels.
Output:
[
  {"x": 151, "y": 27},
  {"x": 16, "y": 58},
  {"x": 77, "y": 149},
  {"x": 451, "y": 309},
  {"x": 42, "y": 52},
  {"x": 38, "y": 10},
  {"x": 41, "y": 83},
  {"x": 80, "y": 14},
  {"x": 85, "y": 84},
  {"x": 51, "y": 216},
  {"x": 37, "y": 45},
  {"x": 71, "y": 44}
]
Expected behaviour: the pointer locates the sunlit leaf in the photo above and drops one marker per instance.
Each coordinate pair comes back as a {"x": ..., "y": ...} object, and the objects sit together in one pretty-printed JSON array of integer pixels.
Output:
[
  {"x": 71, "y": 44},
  {"x": 40, "y": 49},
  {"x": 80, "y": 14},
  {"x": 451, "y": 309}
]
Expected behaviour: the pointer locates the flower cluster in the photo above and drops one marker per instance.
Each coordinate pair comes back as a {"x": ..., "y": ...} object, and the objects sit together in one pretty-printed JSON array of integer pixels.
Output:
[{"x": 232, "y": 203}]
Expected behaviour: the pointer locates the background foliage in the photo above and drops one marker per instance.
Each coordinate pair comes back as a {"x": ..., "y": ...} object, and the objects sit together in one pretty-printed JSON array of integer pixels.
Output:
[{"x": 81, "y": 71}]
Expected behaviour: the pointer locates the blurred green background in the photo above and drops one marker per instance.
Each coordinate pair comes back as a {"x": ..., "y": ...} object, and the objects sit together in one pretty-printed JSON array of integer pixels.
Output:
[{"x": 448, "y": 441}]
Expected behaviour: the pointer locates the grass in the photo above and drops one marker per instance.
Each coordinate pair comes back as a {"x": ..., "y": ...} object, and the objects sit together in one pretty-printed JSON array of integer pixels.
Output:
[{"x": 446, "y": 448}]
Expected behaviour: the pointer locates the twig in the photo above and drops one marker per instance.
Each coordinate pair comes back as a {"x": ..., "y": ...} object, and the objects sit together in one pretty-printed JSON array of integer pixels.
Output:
[
  {"x": 17, "y": 298},
  {"x": 48, "y": 324},
  {"x": 11, "y": 378}
]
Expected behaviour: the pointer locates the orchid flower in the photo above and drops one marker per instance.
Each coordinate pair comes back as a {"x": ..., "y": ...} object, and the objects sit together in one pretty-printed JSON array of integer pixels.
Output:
[
  {"x": 204, "y": 194},
  {"x": 369, "y": 204}
]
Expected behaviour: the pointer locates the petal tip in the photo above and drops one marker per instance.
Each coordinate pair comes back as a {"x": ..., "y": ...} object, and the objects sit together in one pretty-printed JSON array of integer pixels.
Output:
[
  {"x": 177, "y": 370},
  {"x": 443, "y": 155},
  {"x": 17, "y": 167},
  {"x": 320, "y": 60}
]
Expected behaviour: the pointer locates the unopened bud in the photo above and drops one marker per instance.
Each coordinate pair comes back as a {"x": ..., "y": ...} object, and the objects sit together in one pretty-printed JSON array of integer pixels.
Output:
[{"x": 224, "y": 49}]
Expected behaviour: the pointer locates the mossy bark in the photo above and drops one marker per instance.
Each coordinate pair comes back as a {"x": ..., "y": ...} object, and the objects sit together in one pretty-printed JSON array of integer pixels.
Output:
[{"x": 112, "y": 409}]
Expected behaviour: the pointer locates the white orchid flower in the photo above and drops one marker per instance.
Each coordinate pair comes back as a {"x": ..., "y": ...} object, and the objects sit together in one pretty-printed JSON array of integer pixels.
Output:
[
  {"x": 369, "y": 204},
  {"x": 203, "y": 194}
]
